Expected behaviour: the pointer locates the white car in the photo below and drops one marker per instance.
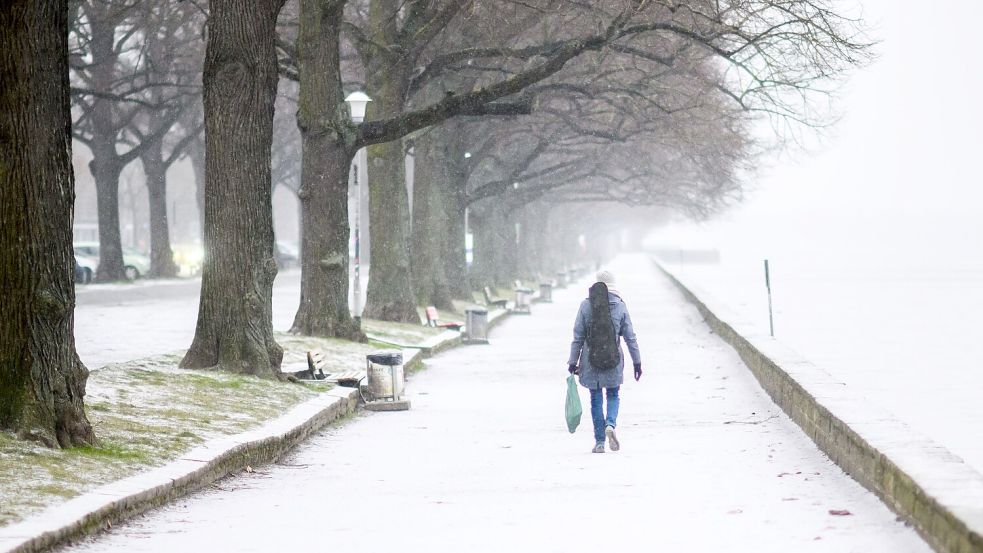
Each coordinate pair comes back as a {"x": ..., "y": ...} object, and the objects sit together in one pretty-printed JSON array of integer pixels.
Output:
[
  {"x": 85, "y": 269},
  {"x": 135, "y": 264}
]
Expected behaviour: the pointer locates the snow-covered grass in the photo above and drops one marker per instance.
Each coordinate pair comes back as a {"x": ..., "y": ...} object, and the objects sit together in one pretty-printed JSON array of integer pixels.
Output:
[
  {"x": 148, "y": 412},
  {"x": 401, "y": 333}
]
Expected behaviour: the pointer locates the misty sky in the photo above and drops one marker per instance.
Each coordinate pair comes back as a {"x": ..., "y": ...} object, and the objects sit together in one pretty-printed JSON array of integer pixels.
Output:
[{"x": 901, "y": 169}]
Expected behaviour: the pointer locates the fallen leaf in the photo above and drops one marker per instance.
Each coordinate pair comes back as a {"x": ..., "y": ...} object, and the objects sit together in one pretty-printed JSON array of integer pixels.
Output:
[{"x": 839, "y": 512}]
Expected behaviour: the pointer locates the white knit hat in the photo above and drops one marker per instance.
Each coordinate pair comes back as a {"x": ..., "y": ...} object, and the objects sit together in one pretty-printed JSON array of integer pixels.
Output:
[{"x": 606, "y": 277}]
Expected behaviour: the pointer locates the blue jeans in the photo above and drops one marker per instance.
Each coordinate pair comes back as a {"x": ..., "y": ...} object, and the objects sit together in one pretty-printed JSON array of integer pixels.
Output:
[{"x": 597, "y": 411}]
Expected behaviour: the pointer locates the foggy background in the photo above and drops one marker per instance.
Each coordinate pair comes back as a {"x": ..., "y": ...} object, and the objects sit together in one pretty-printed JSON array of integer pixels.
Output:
[{"x": 873, "y": 234}]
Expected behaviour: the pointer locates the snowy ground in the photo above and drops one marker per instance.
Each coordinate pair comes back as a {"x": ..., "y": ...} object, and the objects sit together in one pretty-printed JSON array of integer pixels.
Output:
[
  {"x": 902, "y": 329},
  {"x": 483, "y": 461},
  {"x": 115, "y": 323}
]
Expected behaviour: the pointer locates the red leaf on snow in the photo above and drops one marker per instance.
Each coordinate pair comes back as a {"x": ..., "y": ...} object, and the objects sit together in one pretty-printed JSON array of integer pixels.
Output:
[{"x": 840, "y": 512}]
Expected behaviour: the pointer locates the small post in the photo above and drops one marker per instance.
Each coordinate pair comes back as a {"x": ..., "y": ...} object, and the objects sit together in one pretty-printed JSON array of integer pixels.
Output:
[{"x": 771, "y": 319}]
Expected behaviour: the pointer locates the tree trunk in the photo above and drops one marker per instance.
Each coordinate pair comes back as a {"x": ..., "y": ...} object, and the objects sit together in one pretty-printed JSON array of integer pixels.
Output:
[
  {"x": 42, "y": 380},
  {"x": 390, "y": 292},
  {"x": 453, "y": 200},
  {"x": 161, "y": 256},
  {"x": 235, "y": 328},
  {"x": 106, "y": 165},
  {"x": 322, "y": 119},
  {"x": 430, "y": 225}
]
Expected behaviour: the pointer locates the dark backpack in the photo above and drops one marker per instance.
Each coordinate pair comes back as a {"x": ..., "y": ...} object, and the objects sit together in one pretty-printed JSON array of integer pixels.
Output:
[{"x": 602, "y": 340}]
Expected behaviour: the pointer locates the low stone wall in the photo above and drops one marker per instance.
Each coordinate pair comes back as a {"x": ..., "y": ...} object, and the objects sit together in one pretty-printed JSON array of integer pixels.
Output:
[{"x": 920, "y": 480}]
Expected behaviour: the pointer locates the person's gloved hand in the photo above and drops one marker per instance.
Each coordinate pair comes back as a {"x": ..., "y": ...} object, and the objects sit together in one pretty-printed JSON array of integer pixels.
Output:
[
  {"x": 638, "y": 371},
  {"x": 573, "y": 369}
]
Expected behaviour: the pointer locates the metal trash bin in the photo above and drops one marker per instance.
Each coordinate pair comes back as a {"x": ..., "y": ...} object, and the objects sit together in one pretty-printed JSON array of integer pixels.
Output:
[
  {"x": 561, "y": 279},
  {"x": 384, "y": 372},
  {"x": 476, "y": 326},
  {"x": 546, "y": 292},
  {"x": 523, "y": 301}
]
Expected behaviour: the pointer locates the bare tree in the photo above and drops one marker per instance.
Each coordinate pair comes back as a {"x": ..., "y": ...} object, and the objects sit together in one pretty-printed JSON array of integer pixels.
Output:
[
  {"x": 112, "y": 77},
  {"x": 779, "y": 57}
]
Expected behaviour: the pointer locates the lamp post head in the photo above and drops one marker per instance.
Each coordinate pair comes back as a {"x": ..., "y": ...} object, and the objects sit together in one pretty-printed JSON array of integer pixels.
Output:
[{"x": 358, "y": 101}]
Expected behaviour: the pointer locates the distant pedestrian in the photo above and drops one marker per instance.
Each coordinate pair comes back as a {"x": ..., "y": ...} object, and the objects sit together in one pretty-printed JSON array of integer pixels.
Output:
[{"x": 596, "y": 356}]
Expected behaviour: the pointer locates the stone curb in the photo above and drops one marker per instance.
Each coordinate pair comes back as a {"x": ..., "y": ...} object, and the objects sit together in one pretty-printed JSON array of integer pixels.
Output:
[
  {"x": 120, "y": 500},
  {"x": 928, "y": 486}
]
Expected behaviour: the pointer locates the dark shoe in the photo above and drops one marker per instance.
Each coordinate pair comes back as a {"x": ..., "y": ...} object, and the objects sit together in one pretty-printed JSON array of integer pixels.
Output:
[
  {"x": 599, "y": 448},
  {"x": 612, "y": 438}
]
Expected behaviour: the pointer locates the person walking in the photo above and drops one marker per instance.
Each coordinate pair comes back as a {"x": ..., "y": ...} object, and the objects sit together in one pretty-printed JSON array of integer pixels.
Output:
[{"x": 595, "y": 355}]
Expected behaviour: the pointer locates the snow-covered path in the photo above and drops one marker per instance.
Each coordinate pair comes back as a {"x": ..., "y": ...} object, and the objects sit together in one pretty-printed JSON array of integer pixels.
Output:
[{"x": 483, "y": 461}]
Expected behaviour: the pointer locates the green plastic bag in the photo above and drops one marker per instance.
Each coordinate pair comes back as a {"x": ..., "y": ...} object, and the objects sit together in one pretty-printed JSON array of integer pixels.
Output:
[{"x": 573, "y": 408}]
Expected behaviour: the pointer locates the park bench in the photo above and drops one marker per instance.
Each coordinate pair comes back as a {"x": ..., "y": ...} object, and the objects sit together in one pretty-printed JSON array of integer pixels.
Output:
[
  {"x": 493, "y": 301},
  {"x": 432, "y": 320},
  {"x": 317, "y": 360}
]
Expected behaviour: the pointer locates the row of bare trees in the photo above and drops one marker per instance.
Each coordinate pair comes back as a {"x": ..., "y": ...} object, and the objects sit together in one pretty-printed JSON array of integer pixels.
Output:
[{"x": 527, "y": 121}]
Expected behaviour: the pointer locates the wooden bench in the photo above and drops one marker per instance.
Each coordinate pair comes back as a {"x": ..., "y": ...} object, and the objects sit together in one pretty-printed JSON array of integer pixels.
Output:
[
  {"x": 317, "y": 360},
  {"x": 491, "y": 300},
  {"x": 432, "y": 320}
]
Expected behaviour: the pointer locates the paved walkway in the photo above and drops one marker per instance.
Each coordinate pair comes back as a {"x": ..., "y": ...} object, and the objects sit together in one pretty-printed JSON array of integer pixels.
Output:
[{"x": 483, "y": 461}]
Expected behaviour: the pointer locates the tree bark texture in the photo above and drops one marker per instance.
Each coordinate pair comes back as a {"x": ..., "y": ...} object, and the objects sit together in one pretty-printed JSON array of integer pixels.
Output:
[
  {"x": 494, "y": 246},
  {"x": 390, "y": 294},
  {"x": 325, "y": 130},
  {"x": 42, "y": 380},
  {"x": 106, "y": 165},
  {"x": 235, "y": 328},
  {"x": 453, "y": 198},
  {"x": 161, "y": 256},
  {"x": 430, "y": 225}
]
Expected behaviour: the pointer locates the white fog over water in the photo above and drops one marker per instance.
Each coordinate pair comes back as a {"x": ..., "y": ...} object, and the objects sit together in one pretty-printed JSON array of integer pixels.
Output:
[{"x": 874, "y": 238}]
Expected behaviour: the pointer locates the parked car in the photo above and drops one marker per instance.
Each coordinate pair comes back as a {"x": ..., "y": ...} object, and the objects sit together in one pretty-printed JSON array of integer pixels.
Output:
[
  {"x": 287, "y": 255},
  {"x": 135, "y": 264},
  {"x": 85, "y": 269}
]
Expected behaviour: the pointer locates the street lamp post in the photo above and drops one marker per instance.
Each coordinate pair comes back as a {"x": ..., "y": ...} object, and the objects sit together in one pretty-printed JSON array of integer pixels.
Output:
[{"x": 358, "y": 101}]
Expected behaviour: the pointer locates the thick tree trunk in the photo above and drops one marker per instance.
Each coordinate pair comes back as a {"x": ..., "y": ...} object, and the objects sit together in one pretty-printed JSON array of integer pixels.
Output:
[
  {"x": 453, "y": 199},
  {"x": 42, "y": 380},
  {"x": 322, "y": 118},
  {"x": 494, "y": 246},
  {"x": 390, "y": 293},
  {"x": 161, "y": 256},
  {"x": 235, "y": 328},
  {"x": 430, "y": 225},
  {"x": 106, "y": 165}
]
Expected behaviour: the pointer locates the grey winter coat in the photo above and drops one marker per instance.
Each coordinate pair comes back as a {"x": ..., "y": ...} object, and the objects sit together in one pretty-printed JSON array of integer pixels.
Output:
[{"x": 593, "y": 378}]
